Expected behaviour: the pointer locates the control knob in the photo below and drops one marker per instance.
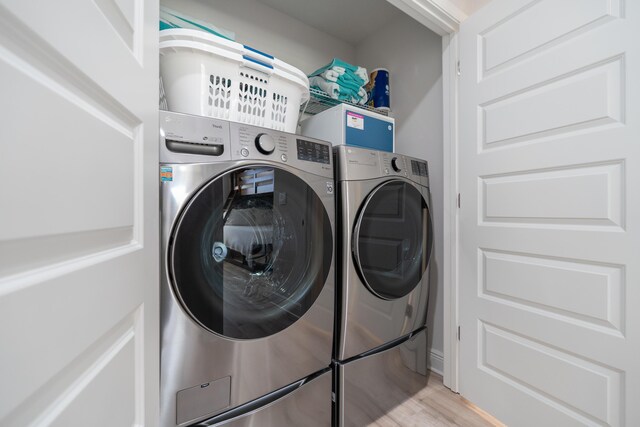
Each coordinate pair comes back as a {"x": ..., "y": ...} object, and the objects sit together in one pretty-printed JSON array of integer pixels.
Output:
[
  {"x": 265, "y": 143},
  {"x": 395, "y": 164}
]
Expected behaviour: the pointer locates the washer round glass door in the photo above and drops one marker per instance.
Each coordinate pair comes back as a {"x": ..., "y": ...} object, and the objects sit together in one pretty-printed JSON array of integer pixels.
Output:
[
  {"x": 392, "y": 239},
  {"x": 251, "y": 252}
]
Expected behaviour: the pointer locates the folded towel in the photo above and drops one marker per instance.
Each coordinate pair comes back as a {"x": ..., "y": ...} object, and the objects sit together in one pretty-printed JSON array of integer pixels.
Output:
[
  {"x": 342, "y": 81},
  {"x": 343, "y": 67},
  {"x": 346, "y": 81},
  {"x": 171, "y": 19},
  {"x": 362, "y": 93},
  {"x": 363, "y": 74},
  {"x": 330, "y": 75},
  {"x": 361, "y": 99},
  {"x": 356, "y": 77},
  {"x": 331, "y": 88},
  {"x": 335, "y": 63},
  {"x": 164, "y": 25}
]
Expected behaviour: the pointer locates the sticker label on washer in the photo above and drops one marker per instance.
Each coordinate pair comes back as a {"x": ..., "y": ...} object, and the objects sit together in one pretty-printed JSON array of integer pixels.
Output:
[
  {"x": 329, "y": 187},
  {"x": 166, "y": 173},
  {"x": 355, "y": 120}
]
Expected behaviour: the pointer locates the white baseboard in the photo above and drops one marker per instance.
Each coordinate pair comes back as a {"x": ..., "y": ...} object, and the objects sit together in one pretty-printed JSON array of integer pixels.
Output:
[{"x": 436, "y": 362}]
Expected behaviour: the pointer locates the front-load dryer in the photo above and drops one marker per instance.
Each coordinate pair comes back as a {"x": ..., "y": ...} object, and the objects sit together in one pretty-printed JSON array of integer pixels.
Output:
[
  {"x": 384, "y": 248},
  {"x": 247, "y": 283}
]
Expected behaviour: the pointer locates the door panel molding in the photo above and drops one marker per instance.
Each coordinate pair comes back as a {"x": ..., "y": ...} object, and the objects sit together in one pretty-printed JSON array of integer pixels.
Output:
[
  {"x": 501, "y": 48},
  {"x": 592, "y": 393},
  {"x": 602, "y": 285},
  {"x": 587, "y": 196}
]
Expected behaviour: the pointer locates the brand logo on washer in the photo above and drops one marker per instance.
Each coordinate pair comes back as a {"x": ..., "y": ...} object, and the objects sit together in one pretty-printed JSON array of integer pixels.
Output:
[
  {"x": 329, "y": 187},
  {"x": 217, "y": 126}
]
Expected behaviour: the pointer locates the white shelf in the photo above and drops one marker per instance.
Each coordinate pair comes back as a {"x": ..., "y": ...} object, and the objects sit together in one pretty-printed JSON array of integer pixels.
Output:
[{"x": 320, "y": 101}]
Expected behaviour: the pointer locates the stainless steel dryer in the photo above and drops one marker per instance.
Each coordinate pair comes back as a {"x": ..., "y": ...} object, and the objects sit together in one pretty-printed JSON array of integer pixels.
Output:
[
  {"x": 385, "y": 226},
  {"x": 247, "y": 292},
  {"x": 386, "y": 239},
  {"x": 371, "y": 385}
]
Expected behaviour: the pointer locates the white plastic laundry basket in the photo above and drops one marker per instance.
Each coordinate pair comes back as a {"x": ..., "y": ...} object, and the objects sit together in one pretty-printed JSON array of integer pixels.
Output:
[{"x": 210, "y": 76}]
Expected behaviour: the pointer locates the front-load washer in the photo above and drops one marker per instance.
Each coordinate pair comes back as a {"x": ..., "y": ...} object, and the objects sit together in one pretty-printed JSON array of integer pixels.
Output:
[
  {"x": 247, "y": 281},
  {"x": 384, "y": 248}
]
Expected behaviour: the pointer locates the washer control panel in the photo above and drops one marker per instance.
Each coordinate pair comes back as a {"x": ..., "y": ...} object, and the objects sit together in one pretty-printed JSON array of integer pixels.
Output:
[
  {"x": 313, "y": 151},
  {"x": 186, "y": 138},
  {"x": 256, "y": 143},
  {"x": 265, "y": 143},
  {"x": 253, "y": 142}
]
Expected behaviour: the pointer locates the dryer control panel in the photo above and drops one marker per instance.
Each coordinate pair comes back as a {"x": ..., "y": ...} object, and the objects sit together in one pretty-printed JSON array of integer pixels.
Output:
[
  {"x": 393, "y": 164},
  {"x": 356, "y": 163}
]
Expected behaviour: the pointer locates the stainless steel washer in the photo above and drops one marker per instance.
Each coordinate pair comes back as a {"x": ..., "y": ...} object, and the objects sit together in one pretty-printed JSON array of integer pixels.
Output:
[{"x": 247, "y": 283}]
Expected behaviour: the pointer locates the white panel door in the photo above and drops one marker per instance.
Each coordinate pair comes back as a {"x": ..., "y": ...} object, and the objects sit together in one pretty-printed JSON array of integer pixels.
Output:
[
  {"x": 549, "y": 161},
  {"x": 78, "y": 213}
]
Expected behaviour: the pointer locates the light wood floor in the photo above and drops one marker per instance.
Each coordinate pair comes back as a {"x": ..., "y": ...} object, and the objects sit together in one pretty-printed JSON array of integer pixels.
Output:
[{"x": 436, "y": 406}]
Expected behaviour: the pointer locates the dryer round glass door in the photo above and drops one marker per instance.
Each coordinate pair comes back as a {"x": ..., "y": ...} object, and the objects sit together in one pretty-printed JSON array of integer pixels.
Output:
[
  {"x": 392, "y": 239},
  {"x": 251, "y": 252}
]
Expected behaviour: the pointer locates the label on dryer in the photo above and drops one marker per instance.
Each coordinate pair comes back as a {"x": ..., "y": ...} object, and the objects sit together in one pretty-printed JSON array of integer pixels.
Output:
[{"x": 355, "y": 121}]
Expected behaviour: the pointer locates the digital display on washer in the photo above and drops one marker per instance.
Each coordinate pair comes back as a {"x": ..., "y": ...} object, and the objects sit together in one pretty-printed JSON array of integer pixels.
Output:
[
  {"x": 313, "y": 151},
  {"x": 419, "y": 168}
]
